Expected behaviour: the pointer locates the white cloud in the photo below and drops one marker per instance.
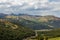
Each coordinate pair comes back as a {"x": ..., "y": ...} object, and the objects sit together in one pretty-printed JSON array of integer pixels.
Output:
[{"x": 45, "y": 7}]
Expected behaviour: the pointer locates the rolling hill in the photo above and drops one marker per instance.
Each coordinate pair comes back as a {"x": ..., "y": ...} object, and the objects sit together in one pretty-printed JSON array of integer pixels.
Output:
[{"x": 13, "y": 31}]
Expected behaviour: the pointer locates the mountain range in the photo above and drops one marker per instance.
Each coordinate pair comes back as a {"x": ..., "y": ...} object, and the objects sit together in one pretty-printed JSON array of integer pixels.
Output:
[{"x": 35, "y": 22}]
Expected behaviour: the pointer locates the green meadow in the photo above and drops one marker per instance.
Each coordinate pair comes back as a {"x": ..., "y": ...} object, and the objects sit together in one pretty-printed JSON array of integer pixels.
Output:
[{"x": 57, "y": 38}]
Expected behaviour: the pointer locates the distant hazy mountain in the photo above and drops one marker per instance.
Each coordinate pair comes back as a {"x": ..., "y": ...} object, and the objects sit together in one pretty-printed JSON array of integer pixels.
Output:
[{"x": 2, "y": 15}]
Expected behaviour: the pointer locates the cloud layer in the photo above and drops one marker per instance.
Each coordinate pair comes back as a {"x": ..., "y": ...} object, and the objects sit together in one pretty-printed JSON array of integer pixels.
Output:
[{"x": 33, "y": 7}]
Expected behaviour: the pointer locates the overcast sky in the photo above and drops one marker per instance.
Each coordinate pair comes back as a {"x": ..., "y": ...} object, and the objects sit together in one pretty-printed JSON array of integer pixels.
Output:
[{"x": 33, "y": 7}]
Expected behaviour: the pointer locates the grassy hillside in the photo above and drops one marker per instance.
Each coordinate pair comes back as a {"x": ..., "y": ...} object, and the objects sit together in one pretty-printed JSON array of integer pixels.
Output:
[
  {"x": 37, "y": 22},
  {"x": 13, "y": 31},
  {"x": 47, "y": 18},
  {"x": 57, "y": 38},
  {"x": 48, "y": 21},
  {"x": 30, "y": 24},
  {"x": 51, "y": 34},
  {"x": 28, "y": 21}
]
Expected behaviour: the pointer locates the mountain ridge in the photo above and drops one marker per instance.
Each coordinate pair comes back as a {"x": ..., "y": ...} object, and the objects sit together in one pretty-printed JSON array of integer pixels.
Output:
[{"x": 35, "y": 22}]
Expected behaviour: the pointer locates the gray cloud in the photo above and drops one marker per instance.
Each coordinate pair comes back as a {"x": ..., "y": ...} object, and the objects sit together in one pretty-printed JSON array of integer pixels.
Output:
[{"x": 33, "y": 7}]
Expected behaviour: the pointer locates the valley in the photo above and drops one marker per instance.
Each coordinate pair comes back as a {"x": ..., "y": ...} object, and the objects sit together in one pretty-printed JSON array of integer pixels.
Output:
[{"x": 30, "y": 27}]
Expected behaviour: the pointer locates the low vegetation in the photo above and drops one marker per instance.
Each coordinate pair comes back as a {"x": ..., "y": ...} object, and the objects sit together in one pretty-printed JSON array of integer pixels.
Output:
[
  {"x": 51, "y": 35},
  {"x": 11, "y": 31}
]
